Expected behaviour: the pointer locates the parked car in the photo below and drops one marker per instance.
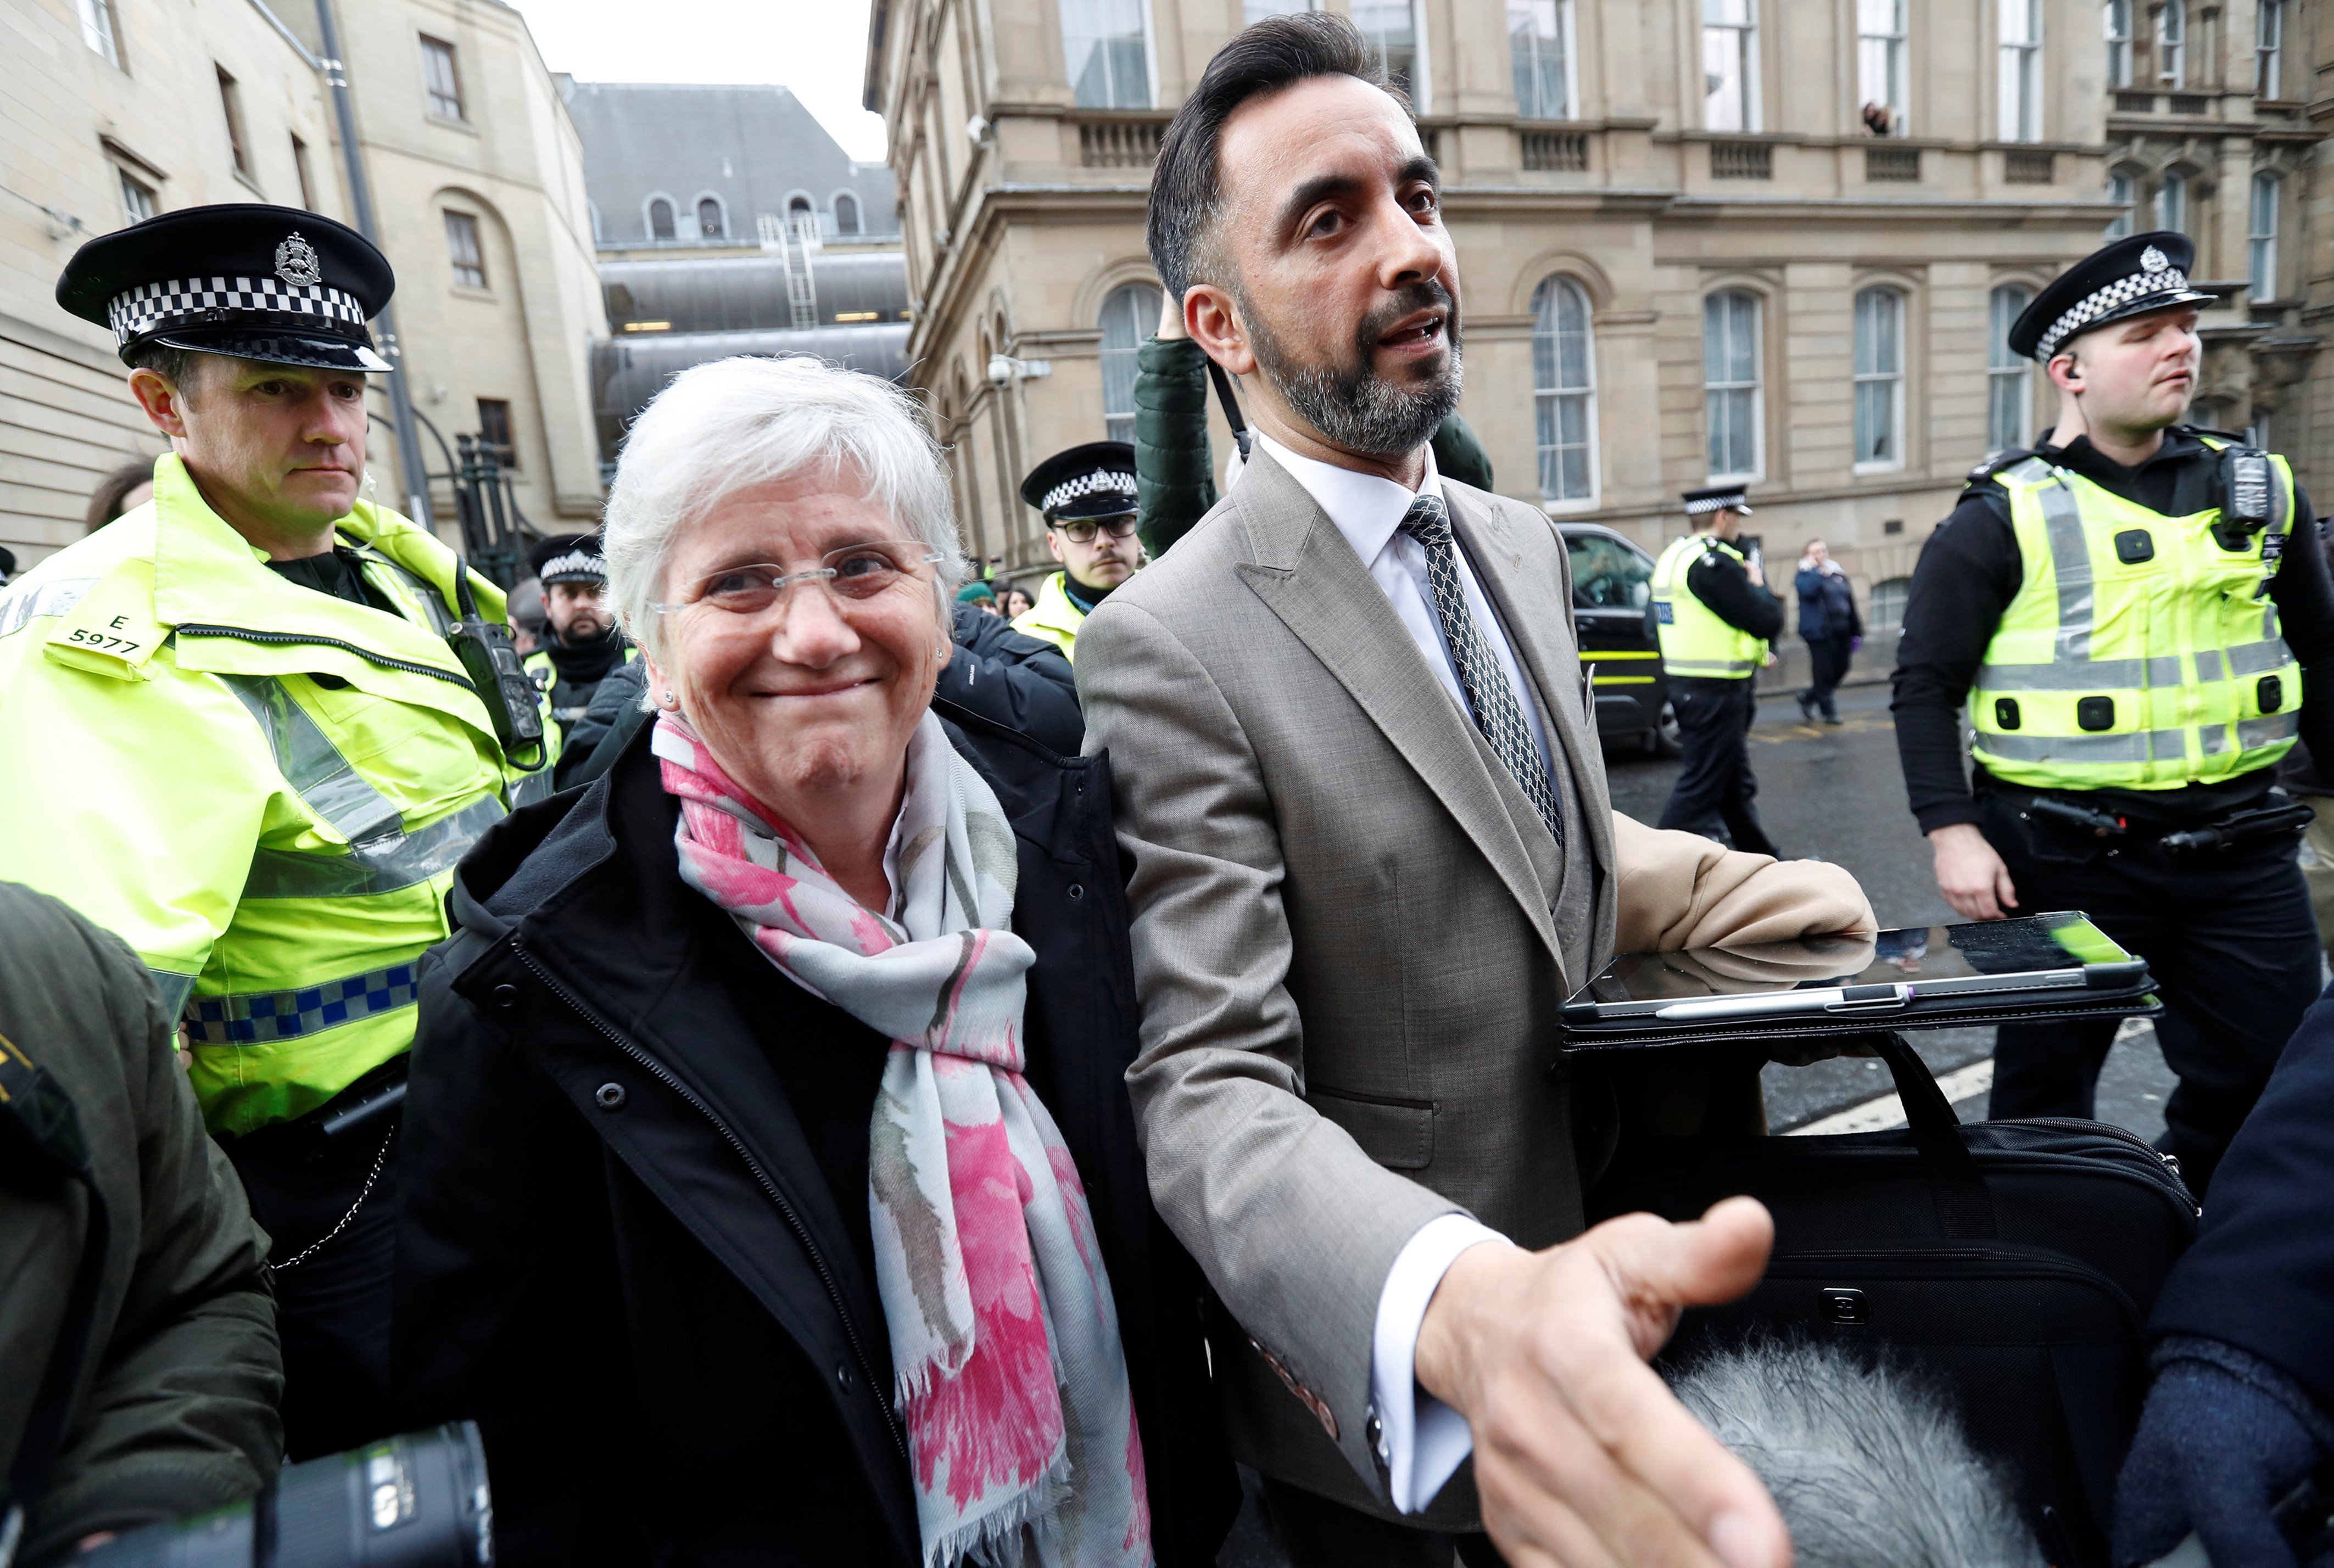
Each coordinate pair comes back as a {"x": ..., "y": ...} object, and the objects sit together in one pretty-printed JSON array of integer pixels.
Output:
[{"x": 1613, "y": 612}]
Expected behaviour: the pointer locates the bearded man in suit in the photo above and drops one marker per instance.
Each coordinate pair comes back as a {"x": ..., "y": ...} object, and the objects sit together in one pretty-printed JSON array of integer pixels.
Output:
[{"x": 1373, "y": 853}]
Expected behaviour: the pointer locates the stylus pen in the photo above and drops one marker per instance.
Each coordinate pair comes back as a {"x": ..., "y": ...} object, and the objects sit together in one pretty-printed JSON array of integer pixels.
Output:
[{"x": 1831, "y": 998}]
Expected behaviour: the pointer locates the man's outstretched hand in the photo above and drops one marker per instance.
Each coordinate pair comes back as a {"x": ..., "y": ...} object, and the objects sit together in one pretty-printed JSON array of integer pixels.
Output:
[{"x": 1583, "y": 1458}]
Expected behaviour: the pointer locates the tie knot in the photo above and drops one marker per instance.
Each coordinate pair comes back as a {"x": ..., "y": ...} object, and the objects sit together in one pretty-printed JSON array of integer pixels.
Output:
[{"x": 1427, "y": 523}]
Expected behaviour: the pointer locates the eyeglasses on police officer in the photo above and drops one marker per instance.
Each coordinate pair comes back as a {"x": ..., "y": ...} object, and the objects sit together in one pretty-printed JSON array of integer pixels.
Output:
[
  {"x": 1082, "y": 530},
  {"x": 854, "y": 573}
]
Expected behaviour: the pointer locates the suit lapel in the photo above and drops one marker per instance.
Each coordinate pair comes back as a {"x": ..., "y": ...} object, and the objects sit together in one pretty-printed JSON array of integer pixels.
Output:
[
  {"x": 1524, "y": 574},
  {"x": 1306, "y": 572}
]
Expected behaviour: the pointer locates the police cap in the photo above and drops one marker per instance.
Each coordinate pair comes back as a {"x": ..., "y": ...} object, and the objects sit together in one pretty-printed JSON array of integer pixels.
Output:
[
  {"x": 1096, "y": 480},
  {"x": 252, "y": 282},
  {"x": 568, "y": 558},
  {"x": 2123, "y": 278},
  {"x": 1715, "y": 498}
]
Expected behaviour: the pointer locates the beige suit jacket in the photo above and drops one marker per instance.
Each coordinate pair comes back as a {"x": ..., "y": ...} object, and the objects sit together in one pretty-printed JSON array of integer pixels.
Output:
[{"x": 1345, "y": 947}]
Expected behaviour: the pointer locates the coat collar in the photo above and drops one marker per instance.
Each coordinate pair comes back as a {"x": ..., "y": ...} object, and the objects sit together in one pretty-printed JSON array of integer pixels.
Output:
[{"x": 1307, "y": 573}]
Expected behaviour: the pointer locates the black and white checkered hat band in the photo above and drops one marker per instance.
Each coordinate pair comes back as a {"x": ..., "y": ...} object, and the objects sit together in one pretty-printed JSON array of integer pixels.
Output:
[
  {"x": 189, "y": 301},
  {"x": 1109, "y": 479},
  {"x": 573, "y": 564},
  {"x": 2122, "y": 291},
  {"x": 1712, "y": 503}
]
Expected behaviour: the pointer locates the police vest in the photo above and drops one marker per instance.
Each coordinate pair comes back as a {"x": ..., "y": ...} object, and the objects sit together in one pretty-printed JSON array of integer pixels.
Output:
[
  {"x": 1694, "y": 639},
  {"x": 1055, "y": 618},
  {"x": 2140, "y": 653},
  {"x": 260, "y": 788}
]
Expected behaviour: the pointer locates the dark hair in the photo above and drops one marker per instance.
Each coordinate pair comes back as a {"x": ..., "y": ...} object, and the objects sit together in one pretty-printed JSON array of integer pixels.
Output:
[
  {"x": 105, "y": 501},
  {"x": 1274, "y": 53},
  {"x": 172, "y": 363}
]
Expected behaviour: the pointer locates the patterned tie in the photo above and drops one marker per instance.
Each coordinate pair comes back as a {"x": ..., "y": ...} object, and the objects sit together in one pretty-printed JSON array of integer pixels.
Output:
[{"x": 1488, "y": 693}]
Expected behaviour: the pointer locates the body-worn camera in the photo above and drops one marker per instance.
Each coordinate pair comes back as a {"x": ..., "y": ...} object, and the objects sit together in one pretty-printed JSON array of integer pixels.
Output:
[
  {"x": 490, "y": 659},
  {"x": 419, "y": 1500}
]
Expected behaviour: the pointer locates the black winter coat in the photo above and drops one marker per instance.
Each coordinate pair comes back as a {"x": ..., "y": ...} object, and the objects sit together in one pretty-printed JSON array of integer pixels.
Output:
[
  {"x": 634, "y": 1242},
  {"x": 1013, "y": 679}
]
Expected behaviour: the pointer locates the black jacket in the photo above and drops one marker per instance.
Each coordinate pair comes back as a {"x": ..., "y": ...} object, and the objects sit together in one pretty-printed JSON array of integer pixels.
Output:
[
  {"x": 1723, "y": 584},
  {"x": 1014, "y": 680},
  {"x": 1970, "y": 568},
  {"x": 634, "y": 1244}
]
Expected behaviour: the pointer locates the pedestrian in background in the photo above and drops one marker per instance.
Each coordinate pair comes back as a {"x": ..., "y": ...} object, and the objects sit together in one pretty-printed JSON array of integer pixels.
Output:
[
  {"x": 979, "y": 597},
  {"x": 1829, "y": 626},
  {"x": 1014, "y": 602},
  {"x": 125, "y": 489},
  {"x": 1715, "y": 618}
]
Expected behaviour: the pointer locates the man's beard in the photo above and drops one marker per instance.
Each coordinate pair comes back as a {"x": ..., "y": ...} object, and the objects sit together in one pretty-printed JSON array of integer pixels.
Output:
[{"x": 1353, "y": 407}]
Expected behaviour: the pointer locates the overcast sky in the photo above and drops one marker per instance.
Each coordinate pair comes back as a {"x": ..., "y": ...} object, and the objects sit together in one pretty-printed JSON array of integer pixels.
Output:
[{"x": 817, "y": 47}]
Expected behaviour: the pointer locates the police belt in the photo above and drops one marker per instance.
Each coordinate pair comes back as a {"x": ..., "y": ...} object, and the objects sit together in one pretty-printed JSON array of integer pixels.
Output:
[
  {"x": 358, "y": 1115},
  {"x": 2276, "y": 816}
]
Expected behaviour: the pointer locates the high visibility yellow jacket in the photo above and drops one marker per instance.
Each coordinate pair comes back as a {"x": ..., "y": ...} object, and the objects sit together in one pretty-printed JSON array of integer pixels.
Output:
[
  {"x": 261, "y": 788},
  {"x": 2139, "y": 652},
  {"x": 1055, "y": 618},
  {"x": 1694, "y": 639}
]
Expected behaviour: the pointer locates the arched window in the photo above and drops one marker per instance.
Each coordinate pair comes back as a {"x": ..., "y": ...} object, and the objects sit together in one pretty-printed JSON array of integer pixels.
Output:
[
  {"x": 2009, "y": 376},
  {"x": 1887, "y": 602},
  {"x": 1879, "y": 379},
  {"x": 2120, "y": 192},
  {"x": 1729, "y": 383},
  {"x": 846, "y": 213},
  {"x": 1128, "y": 316},
  {"x": 660, "y": 219},
  {"x": 2262, "y": 236},
  {"x": 1564, "y": 386},
  {"x": 708, "y": 219},
  {"x": 2172, "y": 203},
  {"x": 2171, "y": 44}
]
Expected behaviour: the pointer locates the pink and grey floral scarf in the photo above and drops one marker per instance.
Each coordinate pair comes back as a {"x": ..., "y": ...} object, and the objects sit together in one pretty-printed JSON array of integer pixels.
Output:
[{"x": 1004, "y": 1341}]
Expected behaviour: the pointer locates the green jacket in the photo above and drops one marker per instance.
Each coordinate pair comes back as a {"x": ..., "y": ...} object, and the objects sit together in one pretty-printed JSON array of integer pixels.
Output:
[
  {"x": 175, "y": 1411},
  {"x": 1174, "y": 479},
  {"x": 261, "y": 788}
]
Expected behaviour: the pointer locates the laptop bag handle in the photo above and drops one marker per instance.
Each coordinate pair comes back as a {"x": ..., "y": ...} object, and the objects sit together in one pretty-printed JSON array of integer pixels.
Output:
[{"x": 1964, "y": 1207}]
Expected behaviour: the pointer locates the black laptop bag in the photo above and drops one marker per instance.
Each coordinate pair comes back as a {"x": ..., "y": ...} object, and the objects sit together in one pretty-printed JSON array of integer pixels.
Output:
[{"x": 2014, "y": 1260}]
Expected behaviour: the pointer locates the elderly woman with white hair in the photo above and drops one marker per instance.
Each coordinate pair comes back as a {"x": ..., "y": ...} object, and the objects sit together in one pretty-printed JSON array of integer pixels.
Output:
[{"x": 770, "y": 1192}]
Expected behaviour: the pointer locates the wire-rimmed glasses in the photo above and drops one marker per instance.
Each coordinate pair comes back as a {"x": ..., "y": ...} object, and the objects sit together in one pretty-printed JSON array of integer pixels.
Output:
[{"x": 854, "y": 572}]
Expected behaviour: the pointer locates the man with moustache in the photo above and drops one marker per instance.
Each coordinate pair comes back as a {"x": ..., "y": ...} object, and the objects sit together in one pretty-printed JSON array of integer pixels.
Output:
[
  {"x": 243, "y": 743},
  {"x": 1372, "y": 853},
  {"x": 582, "y": 643},
  {"x": 1086, "y": 495},
  {"x": 2138, "y": 620}
]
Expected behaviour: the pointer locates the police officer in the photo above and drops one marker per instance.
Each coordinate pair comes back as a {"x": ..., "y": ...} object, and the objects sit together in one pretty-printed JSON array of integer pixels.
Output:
[
  {"x": 2138, "y": 647},
  {"x": 243, "y": 742},
  {"x": 1086, "y": 495},
  {"x": 582, "y": 641},
  {"x": 1714, "y": 617}
]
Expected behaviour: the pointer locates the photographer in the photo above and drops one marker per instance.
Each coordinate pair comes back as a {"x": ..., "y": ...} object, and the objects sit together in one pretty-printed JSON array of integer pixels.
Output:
[{"x": 150, "y": 1392}]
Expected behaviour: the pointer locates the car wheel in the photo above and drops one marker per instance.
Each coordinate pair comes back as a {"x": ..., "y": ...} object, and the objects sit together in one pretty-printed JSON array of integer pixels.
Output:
[{"x": 1661, "y": 740}]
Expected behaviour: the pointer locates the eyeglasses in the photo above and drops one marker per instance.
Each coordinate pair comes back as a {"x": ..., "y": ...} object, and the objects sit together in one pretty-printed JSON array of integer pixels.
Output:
[
  {"x": 854, "y": 572},
  {"x": 1082, "y": 530}
]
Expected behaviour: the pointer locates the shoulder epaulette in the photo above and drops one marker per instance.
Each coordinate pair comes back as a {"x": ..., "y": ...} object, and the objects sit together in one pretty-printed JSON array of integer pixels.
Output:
[
  {"x": 1997, "y": 462},
  {"x": 2239, "y": 436}
]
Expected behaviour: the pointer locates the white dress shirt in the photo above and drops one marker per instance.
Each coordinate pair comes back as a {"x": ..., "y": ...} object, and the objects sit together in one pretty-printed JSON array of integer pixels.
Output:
[{"x": 1421, "y": 1440}]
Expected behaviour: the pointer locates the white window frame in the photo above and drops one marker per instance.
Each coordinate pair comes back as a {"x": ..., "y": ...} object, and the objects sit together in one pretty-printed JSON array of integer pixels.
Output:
[
  {"x": 2269, "y": 50},
  {"x": 1563, "y": 45},
  {"x": 1738, "y": 42},
  {"x": 1755, "y": 386},
  {"x": 1544, "y": 310},
  {"x": 139, "y": 200},
  {"x": 2005, "y": 369},
  {"x": 2171, "y": 44},
  {"x": 100, "y": 29},
  {"x": 1421, "y": 84},
  {"x": 2018, "y": 74},
  {"x": 2115, "y": 21},
  {"x": 2261, "y": 236},
  {"x": 1119, "y": 423},
  {"x": 1892, "y": 380},
  {"x": 1150, "y": 84},
  {"x": 697, "y": 219},
  {"x": 648, "y": 216},
  {"x": 1890, "y": 49},
  {"x": 2121, "y": 188},
  {"x": 2172, "y": 203}
]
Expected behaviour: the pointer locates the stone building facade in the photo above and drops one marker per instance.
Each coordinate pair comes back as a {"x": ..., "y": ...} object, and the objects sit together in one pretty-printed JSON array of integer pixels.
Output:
[{"x": 1778, "y": 240}]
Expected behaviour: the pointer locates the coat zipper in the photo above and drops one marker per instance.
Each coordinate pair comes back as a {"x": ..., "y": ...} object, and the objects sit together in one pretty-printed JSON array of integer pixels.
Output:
[
  {"x": 794, "y": 1220},
  {"x": 195, "y": 629}
]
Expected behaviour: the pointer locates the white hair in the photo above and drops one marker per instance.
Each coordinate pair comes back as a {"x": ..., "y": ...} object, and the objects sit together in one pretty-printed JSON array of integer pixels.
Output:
[
  {"x": 1868, "y": 1465},
  {"x": 731, "y": 424}
]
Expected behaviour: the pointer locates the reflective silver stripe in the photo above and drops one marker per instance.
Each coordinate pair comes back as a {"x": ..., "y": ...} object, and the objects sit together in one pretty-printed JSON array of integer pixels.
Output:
[
  {"x": 2215, "y": 737},
  {"x": 2208, "y": 667},
  {"x": 2086, "y": 675},
  {"x": 382, "y": 865},
  {"x": 1708, "y": 666},
  {"x": 2139, "y": 745},
  {"x": 531, "y": 788},
  {"x": 2071, "y": 557},
  {"x": 2258, "y": 657},
  {"x": 56, "y": 598},
  {"x": 312, "y": 764},
  {"x": 2268, "y": 728},
  {"x": 173, "y": 988}
]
